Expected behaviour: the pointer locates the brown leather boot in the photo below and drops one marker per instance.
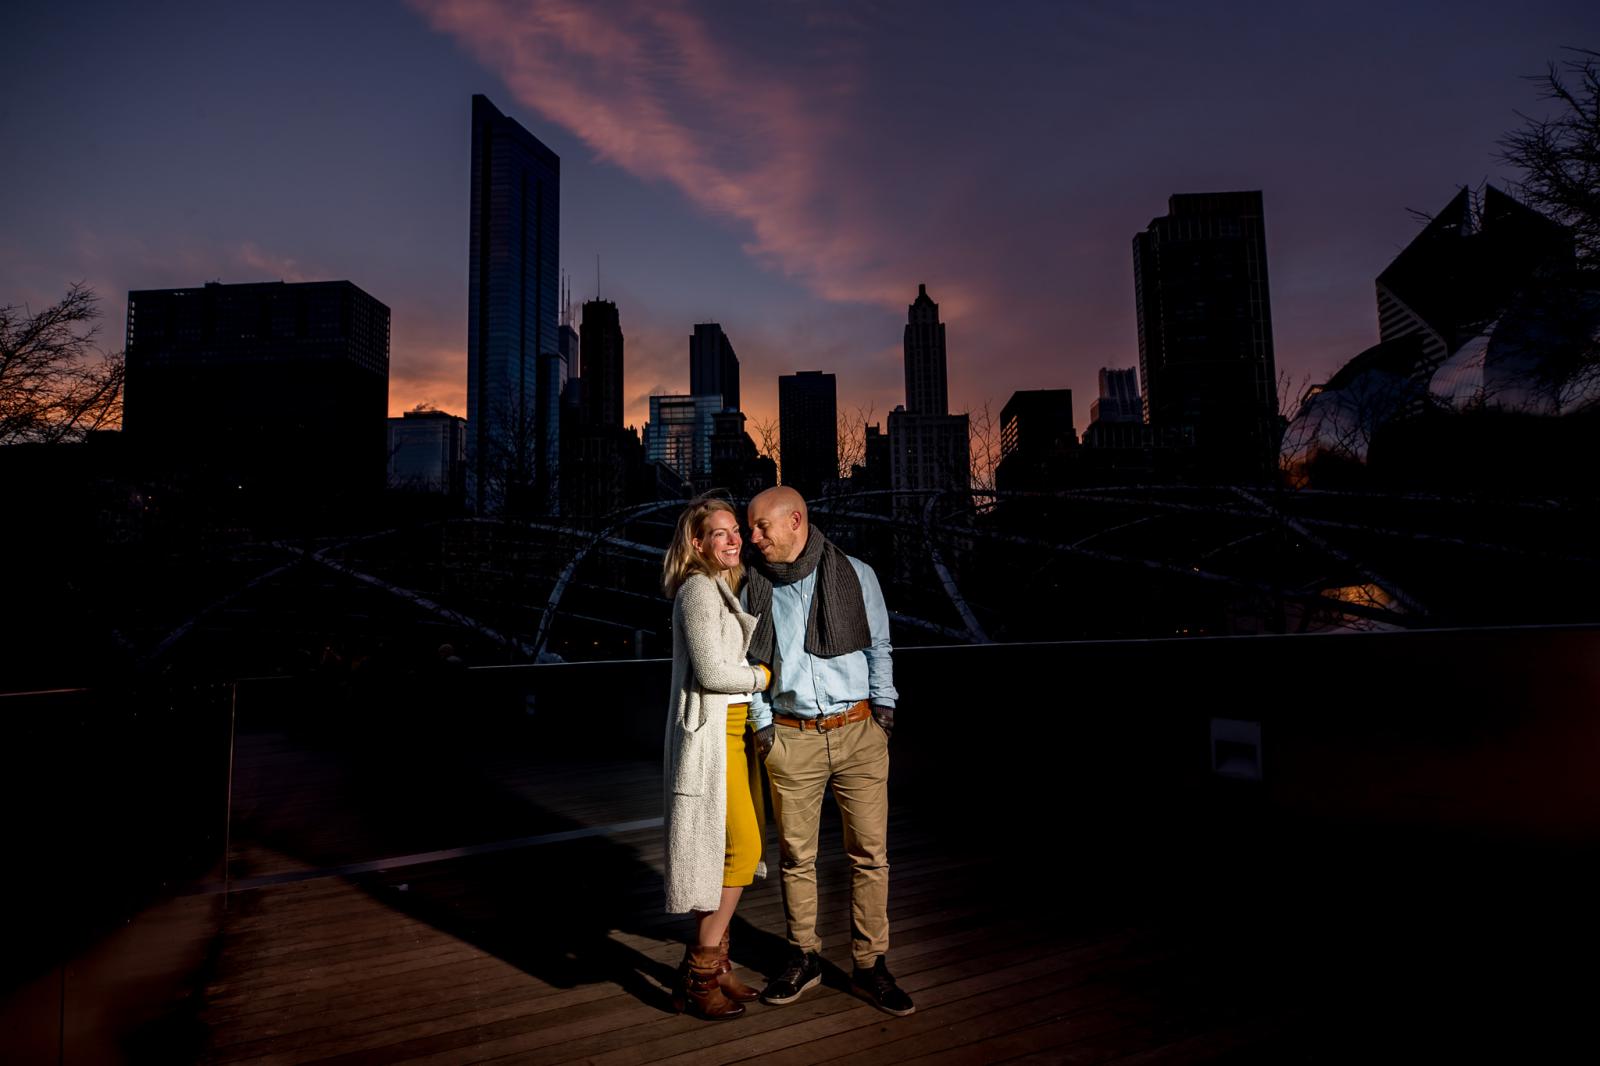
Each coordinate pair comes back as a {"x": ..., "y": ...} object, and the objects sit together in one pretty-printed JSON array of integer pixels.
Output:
[
  {"x": 732, "y": 987},
  {"x": 703, "y": 989},
  {"x": 680, "y": 982}
]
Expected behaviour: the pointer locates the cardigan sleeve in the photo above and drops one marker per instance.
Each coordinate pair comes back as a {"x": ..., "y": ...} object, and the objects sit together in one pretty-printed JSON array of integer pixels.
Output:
[{"x": 701, "y": 608}]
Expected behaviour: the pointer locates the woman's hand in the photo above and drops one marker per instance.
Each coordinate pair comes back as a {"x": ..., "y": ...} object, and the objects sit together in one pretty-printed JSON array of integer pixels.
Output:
[{"x": 766, "y": 676}]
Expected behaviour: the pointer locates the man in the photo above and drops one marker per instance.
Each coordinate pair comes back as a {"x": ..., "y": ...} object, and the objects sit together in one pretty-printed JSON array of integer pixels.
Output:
[{"x": 826, "y": 720}]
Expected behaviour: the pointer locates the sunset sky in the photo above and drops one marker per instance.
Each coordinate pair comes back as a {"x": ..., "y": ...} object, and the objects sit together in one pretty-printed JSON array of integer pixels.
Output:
[{"x": 791, "y": 170}]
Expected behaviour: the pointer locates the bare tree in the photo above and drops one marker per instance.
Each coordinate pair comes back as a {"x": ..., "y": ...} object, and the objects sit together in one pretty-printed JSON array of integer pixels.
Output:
[
  {"x": 769, "y": 440},
  {"x": 853, "y": 438},
  {"x": 55, "y": 384},
  {"x": 510, "y": 468},
  {"x": 1560, "y": 156},
  {"x": 1292, "y": 393},
  {"x": 983, "y": 435}
]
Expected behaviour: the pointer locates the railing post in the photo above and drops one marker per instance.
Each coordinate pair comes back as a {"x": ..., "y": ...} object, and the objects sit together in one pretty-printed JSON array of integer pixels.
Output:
[{"x": 227, "y": 817}]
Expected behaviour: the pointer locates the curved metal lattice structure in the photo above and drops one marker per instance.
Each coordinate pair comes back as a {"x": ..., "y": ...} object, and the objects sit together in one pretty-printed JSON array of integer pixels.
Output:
[{"x": 981, "y": 566}]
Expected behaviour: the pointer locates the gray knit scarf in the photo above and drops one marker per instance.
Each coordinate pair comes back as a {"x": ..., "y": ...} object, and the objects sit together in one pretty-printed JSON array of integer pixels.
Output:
[{"x": 838, "y": 621}]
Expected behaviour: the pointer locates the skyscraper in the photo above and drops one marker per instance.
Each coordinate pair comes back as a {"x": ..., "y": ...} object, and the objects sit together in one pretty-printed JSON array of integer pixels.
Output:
[
  {"x": 513, "y": 292},
  {"x": 600, "y": 342},
  {"x": 926, "y": 376},
  {"x": 736, "y": 465},
  {"x": 713, "y": 366},
  {"x": 1461, "y": 272},
  {"x": 268, "y": 393},
  {"x": 1037, "y": 439},
  {"x": 571, "y": 390},
  {"x": 679, "y": 434},
  {"x": 929, "y": 447},
  {"x": 1119, "y": 399},
  {"x": 600, "y": 457},
  {"x": 1205, "y": 328},
  {"x": 808, "y": 430},
  {"x": 427, "y": 452}
]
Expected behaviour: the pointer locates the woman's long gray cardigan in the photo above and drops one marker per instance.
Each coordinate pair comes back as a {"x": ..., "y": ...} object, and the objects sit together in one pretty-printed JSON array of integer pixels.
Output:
[{"x": 710, "y": 635}]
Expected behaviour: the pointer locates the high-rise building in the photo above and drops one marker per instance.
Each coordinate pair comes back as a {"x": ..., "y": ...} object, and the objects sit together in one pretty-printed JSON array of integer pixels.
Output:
[
  {"x": 713, "y": 366},
  {"x": 601, "y": 467},
  {"x": 928, "y": 452},
  {"x": 927, "y": 387},
  {"x": 550, "y": 391},
  {"x": 270, "y": 393},
  {"x": 679, "y": 434},
  {"x": 929, "y": 447},
  {"x": 602, "y": 461},
  {"x": 713, "y": 376},
  {"x": 567, "y": 335},
  {"x": 1037, "y": 422},
  {"x": 1205, "y": 329},
  {"x": 513, "y": 288},
  {"x": 1037, "y": 440},
  {"x": 808, "y": 431},
  {"x": 568, "y": 344},
  {"x": 1457, "y": 276},
  {"x": 600, "y": 342},
  {"x": 428, "y": 452},
  {"x": 873, "y": 473},
  {"x": 1119, "y": 399},
  {"x": 736, "y": 465}
]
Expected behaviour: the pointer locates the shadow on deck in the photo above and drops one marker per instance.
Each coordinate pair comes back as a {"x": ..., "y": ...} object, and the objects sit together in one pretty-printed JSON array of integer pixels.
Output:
[{"x": 469, "y": 870}]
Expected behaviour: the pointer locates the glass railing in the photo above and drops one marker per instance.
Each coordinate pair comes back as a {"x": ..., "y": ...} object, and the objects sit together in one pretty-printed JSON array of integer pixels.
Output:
[{"x": 116, "y": 806}]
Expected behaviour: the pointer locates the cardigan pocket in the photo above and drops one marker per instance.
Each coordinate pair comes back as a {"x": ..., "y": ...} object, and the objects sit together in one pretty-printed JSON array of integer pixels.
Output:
[{"x": 690, "y": 767}]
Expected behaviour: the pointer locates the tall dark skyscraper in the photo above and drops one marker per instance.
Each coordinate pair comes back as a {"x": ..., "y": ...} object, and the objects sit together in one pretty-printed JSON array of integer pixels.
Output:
[
  {"x": 1037, "y": 440},
  {"x": 808, "y": 433},
  {"x": 1037, "y": 422},
  {"x": 513, "y": 294},
  {"x": 271, "y": 394},
  {"x": 1119, "y": 399},
  {"x": 713, "y": 367},
  {"x": 927, "y": 389},
  {"x": 929, "y": 448},
  {"x": 1205, "y": 328},
  {"x": 600, "y": 347}
]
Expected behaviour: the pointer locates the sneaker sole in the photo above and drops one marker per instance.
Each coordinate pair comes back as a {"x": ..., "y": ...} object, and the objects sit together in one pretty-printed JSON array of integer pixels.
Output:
[
  {"x": 862, "y": 994},
  {"x": 776, "y": 1002}
]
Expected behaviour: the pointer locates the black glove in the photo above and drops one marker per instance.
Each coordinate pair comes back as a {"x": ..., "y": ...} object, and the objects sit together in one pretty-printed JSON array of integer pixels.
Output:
[
  {"x": 884, "y": 716},
  {"x": 764, "y": 738}
]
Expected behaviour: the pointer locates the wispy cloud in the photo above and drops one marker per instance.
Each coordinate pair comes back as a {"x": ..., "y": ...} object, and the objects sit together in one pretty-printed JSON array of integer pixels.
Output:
[
  {"x": 250, "y": 255},
  {"x": 652, "y": 89}
]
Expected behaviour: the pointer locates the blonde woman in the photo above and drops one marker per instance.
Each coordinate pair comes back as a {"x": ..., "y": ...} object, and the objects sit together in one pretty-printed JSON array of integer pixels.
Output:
[{"x": 713, "y": 828}]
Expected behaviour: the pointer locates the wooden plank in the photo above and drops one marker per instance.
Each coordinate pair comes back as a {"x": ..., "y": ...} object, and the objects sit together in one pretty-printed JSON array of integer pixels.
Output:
[{"x": 452, "y": 970}]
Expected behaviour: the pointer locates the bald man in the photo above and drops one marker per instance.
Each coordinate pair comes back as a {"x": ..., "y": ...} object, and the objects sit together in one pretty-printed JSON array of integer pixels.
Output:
[{"x": 823, "y": 630}]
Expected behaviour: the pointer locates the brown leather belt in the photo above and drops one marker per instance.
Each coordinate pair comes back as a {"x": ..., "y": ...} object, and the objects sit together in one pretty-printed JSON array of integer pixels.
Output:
[{"x": 859, "y": 713}]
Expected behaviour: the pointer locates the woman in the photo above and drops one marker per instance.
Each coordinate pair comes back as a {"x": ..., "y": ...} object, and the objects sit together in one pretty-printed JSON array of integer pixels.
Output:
[{"x": 713, "y": 831}]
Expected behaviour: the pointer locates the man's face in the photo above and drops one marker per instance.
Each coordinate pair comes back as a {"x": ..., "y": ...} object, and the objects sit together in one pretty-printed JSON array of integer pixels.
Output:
[{"x": 775, "y": 531}]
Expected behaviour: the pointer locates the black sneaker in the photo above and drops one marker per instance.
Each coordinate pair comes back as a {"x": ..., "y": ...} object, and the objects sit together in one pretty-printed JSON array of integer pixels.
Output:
[
  {"x": 804, "y": 971},
  {"x": 877, "y": 987}
]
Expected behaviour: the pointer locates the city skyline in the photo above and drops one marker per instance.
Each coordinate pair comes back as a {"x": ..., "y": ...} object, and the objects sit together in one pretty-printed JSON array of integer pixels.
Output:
[{"x": 789, "y": 212}]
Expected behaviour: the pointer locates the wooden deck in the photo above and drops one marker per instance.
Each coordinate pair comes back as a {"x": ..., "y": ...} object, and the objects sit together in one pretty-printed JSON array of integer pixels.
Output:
[{"x": 524, "y": 948}]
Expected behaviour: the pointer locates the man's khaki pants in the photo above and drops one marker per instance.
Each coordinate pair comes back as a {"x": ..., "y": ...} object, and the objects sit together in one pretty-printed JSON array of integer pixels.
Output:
[{"x": 855, "y": 760}]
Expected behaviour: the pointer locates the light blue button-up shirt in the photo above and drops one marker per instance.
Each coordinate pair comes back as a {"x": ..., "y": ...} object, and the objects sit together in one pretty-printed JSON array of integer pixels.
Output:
[{"x": 806, "y": 685}]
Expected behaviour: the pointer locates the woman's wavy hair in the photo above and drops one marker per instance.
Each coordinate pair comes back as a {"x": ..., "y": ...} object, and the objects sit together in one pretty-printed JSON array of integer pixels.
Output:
[{"x": 682, "y": 560}]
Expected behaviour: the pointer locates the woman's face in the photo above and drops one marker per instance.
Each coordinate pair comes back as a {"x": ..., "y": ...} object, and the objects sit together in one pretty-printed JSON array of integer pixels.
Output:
[{"x": 718, "y": 542}]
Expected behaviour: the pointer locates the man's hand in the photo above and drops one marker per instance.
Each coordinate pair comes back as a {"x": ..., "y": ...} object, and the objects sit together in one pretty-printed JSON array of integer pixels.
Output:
[
  {"x": 884, "y": 716},
  {"x": 764, "y": 738}
]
